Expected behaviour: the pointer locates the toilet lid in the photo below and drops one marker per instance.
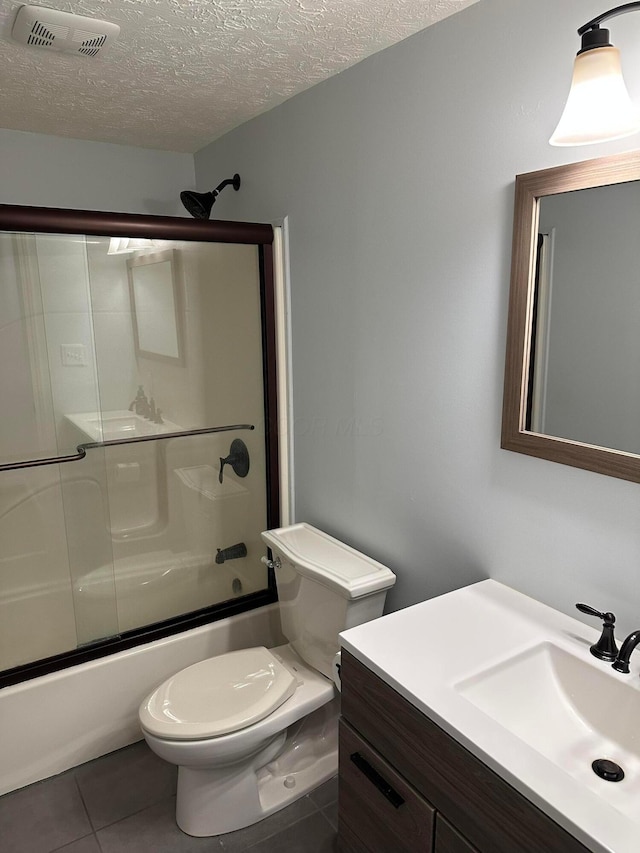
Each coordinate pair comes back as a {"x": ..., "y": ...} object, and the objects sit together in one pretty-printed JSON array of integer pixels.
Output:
[{"x": 218, "y": 695}]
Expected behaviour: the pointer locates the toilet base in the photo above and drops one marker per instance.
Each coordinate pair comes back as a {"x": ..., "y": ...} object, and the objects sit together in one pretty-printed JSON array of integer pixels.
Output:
[{"x": 216, "y": 801}]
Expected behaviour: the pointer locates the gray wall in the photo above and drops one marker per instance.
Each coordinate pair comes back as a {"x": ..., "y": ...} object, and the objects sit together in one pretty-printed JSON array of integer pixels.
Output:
[
  {"x": 397, "y": 177},
  {"x": 49, "y": 171}
]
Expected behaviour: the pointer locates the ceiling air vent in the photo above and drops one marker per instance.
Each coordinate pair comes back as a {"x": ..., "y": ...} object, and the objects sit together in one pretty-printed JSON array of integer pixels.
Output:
[{"x": 63, "y": 31}]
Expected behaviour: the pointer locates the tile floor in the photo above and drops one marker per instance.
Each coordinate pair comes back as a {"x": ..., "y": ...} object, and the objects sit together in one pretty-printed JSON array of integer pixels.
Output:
[{"x": 125, "y": 803}]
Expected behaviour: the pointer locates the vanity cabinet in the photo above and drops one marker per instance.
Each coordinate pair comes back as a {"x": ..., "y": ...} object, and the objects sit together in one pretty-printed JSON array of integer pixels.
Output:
[{"x": 407, "y": 786}]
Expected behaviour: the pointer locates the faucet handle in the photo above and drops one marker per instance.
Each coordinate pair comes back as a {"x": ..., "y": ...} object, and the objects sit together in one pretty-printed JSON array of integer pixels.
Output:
[
  {"x": 238, "y": 458},
  {"x": 591, "y": 611},
  {"x": 605, "y": 648}
]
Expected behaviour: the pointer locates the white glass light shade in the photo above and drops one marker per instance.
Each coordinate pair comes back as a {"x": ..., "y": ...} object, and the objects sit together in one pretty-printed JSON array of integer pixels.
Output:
[{"x": 598, "y": 108}]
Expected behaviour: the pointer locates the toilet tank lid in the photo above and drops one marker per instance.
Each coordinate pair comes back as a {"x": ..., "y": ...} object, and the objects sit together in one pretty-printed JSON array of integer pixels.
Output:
[{"x": 329, "y": 561}]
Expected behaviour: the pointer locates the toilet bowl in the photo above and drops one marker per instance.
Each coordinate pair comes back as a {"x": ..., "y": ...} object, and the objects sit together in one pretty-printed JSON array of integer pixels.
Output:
[{"x": 255, "y": 729}]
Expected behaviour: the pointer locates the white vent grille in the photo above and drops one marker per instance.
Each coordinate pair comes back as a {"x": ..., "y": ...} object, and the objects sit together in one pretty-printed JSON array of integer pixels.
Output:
[
  {"x": 90, "y": 43},
  {"x": 44, "y": 36},
  {"x": 62, "y": 31}
]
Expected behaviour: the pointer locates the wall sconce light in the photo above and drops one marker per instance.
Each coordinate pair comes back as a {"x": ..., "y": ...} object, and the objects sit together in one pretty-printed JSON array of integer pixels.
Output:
[
  {"x": 598, "y": 108},
  {"x": 199, "y": 204}
]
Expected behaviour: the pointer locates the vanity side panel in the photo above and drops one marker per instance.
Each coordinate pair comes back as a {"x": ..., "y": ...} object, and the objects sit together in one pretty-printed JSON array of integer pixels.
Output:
[{"x": 491, "y": 814}]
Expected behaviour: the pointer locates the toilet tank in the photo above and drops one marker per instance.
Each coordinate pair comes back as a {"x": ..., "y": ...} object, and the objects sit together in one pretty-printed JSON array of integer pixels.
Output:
[{"x": 324, "y": 587}]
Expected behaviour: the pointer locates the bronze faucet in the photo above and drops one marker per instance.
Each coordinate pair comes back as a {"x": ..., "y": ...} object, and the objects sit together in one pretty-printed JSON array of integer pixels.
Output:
[{"x": 621, "y": 663}]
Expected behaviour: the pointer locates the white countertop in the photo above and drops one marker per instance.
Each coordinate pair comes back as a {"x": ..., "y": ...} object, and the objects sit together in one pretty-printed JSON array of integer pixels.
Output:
[{"x": 427, "y": 651}]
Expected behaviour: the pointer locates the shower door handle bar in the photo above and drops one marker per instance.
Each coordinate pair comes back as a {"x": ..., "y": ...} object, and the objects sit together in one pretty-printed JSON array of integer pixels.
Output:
[
  {"x": 49, "y": 460},
  {"x": 81, "y": 450}
]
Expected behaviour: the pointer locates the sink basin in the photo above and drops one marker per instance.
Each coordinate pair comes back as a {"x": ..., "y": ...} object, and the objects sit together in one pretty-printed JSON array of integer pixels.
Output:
[
  {"x": 569, "y": 710},
  {"x": 119, "y": 424},
  {"x": 514, "y": 682},
  {"x": 114, "y": 425}
]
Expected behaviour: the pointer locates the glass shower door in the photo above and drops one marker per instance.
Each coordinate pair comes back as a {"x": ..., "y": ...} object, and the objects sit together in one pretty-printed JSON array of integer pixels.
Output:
[
  {"x": 178, "y": 337},
  {"x": 46, "y": 369},
  {"x": 147, "y": 364}
]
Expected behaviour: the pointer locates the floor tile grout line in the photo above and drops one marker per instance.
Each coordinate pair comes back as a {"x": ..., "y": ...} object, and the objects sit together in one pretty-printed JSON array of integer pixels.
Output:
[
  {"x": 74, "y": 841},
  {"x": 100, "y": 848},
  {"x": 136, "y": 812},
  {"x": 328, "y": 819},
  {"x": 288, "y": 827},
  {"x": 324, "y": 805},
  {"x": 315, "y": 809},
  {"x": 282, "y": 828},
  {"x": 84, "y": 805}
]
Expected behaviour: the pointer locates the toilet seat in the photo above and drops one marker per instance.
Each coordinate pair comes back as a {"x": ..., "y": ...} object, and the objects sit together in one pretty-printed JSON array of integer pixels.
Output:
[{"x": 218, "y": 696}]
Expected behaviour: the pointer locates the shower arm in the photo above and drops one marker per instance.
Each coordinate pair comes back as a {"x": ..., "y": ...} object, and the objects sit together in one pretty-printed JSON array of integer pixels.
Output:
[
  {"x": 226, "y": 183},
  {"x": 81, "y": 449}
]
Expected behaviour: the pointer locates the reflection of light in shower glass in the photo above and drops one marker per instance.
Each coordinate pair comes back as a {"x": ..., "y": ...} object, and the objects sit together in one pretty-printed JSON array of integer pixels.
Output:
[{"x": 126, "y": 245}]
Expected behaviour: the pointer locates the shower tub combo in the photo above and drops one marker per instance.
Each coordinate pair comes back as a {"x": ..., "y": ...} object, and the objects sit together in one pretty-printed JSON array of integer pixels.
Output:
[{"x": 138, "y": 467}]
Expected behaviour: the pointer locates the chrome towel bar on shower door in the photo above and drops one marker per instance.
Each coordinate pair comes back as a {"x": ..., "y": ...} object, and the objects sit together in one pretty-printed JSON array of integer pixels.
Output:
[{"x": 81, "y": 450}]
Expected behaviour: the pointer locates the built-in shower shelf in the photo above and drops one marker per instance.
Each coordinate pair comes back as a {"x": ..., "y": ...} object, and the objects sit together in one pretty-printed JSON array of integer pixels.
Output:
[{"x": 81, "y": 449}]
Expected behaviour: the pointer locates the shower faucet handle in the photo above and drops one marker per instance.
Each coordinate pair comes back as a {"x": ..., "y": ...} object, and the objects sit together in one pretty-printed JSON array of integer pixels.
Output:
[
  {"x": 238, "y": 458},
  {"x": 605, "y": 648}
]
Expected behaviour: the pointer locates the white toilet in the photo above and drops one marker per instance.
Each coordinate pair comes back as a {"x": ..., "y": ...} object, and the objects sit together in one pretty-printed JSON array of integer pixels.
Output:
[{"x": 253, "y": 730}]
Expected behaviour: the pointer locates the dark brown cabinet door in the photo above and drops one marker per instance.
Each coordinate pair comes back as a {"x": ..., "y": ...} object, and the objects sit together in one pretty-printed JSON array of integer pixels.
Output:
[
  {"x": 449, "y": 840},
  {"x": 379, "y": 811}
]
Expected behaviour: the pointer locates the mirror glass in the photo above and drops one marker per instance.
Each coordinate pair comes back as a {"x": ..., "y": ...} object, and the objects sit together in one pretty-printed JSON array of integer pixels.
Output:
[
  {"x": 572, "y": 379},
  {"x": 154, "y": 308},
  {"x": 586, "y": 344}
]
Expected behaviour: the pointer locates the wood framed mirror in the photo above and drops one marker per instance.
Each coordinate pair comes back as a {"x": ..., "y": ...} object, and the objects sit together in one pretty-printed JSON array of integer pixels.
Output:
[{"x": 572, "y": 371}]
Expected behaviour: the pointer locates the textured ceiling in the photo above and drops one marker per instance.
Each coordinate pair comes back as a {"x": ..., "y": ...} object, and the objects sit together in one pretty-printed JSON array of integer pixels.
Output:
[{"x": 183, "y": 72}]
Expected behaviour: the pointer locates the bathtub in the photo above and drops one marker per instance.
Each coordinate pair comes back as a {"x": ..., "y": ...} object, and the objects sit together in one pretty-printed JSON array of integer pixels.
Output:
[
  {"x": 152, "y": 587},
  {"x": 63, "y": 719}
]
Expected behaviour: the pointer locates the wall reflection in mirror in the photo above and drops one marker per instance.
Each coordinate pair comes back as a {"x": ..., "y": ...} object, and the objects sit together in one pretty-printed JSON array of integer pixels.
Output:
[
  {"x": 101, "y": 346},
  {"x": 572, "y": 377},
  {"x": 586, "y": 364}
]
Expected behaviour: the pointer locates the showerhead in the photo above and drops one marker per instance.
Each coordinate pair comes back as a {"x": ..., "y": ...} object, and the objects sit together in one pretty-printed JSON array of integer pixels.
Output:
[{"x": 199, "y": 204}]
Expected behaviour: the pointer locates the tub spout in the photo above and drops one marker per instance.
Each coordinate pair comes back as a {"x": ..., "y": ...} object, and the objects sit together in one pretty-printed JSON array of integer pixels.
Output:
[{"x": 233, "y": 552}]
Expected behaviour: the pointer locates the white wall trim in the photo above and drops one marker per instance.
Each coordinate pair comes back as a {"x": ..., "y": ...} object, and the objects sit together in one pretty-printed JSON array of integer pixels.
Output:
[{"x": 282, "y": 284}]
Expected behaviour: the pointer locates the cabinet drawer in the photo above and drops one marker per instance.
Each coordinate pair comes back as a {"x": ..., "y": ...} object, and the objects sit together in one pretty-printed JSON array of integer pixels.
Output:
[
  {"x": 378, "y": 811},
  {"x": 491, "y": 814},
  {"x": 449, "y": 840}
]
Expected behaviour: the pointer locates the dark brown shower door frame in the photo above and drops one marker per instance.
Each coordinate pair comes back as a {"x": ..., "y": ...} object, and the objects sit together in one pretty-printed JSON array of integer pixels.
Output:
[{"x": 47, "y": 220}]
